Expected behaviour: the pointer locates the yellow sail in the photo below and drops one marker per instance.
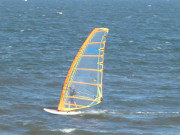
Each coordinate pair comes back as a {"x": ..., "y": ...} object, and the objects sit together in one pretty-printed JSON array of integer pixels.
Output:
[{"x": 83, "y": 85}]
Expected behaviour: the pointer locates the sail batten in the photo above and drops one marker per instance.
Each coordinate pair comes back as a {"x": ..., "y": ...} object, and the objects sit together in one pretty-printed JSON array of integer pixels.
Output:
[
  {"x": 86, "y": 83},
  {"x": 82, "y": 98},
  {"x": 96, "y": 43},
  {"x": 102, "y": 31},
  {"x": 91, "y": 55},
  {"x": 83, "y": 85},
  {"x": 88, "y": 69},
  {"x": 74, "y": 105}
]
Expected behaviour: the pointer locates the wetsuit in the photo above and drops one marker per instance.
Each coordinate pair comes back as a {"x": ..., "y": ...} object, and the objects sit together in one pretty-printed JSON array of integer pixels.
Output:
[{"x": 72, "y": 93}]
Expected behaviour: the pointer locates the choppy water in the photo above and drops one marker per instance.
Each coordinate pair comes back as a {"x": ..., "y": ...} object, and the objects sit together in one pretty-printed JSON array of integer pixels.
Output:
[{"x": 39, "y": 40}]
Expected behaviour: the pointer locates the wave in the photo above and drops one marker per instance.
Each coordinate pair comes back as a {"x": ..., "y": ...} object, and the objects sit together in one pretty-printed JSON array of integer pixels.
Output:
[
  {"x": 65, "y": 130},
  {"x": 97, "y": 112},
  {"x": 157, "y": 112}
]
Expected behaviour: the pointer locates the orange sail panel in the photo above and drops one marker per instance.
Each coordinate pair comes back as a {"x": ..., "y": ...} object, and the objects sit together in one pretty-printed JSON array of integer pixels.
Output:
[{"x": 83, "y": 85}]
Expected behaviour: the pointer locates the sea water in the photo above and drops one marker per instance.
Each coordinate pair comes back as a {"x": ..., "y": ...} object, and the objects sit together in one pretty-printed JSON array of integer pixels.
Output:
[{"x": 141, "y": 87}]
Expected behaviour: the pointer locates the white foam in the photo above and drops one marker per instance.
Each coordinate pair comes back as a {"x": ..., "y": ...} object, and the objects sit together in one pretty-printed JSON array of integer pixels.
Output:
[
  {"x": 155, "y": 15},
  {"x": 124, "y": 112},
  {"x": 157, "y": 112},
  {"x": 66, "y": 130},
  {"x": 60, "y": 13},
  {"x": 24, "y": 124},
  {"x": 21, "y": 30},
  {"x": 95, "y": 112},
  {"x": 158, "y": 48}
]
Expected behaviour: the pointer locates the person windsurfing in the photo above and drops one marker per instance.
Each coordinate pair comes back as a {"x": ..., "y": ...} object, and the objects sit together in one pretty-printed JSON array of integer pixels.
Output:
[{"x": 72, "y": 93}]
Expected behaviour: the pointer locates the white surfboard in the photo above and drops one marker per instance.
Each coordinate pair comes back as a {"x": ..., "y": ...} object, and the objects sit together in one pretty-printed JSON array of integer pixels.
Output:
[{"x": 53, "y": 111}]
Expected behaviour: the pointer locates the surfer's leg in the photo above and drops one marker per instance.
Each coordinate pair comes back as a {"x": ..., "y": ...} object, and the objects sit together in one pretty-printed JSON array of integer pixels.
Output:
[
  {"x": 69, "y": 104},
  {"x": 75, "y": 104}
]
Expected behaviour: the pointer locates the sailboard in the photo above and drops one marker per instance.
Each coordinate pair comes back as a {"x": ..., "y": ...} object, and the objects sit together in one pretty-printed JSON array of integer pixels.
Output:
[{"x": 83, "y": 86}]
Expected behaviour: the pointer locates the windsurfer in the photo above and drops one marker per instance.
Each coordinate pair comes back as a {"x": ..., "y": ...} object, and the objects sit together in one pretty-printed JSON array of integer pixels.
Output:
[{"x": 72, "y": 93}]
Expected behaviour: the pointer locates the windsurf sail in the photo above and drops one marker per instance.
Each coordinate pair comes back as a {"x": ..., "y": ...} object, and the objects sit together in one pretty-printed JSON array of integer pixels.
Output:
[{"x": 83, "y": 85}]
